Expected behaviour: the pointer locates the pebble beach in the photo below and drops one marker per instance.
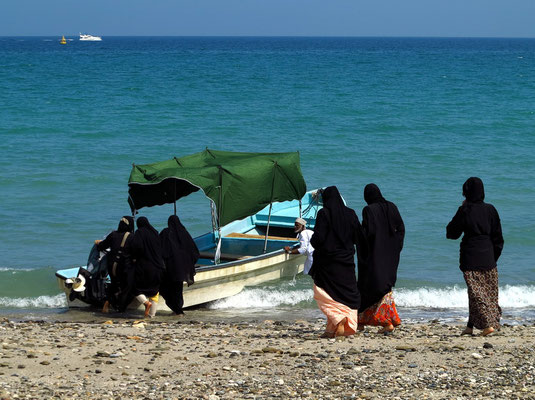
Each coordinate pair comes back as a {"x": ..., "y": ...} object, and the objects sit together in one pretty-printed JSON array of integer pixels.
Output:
[{"x": 185, "y": 358}]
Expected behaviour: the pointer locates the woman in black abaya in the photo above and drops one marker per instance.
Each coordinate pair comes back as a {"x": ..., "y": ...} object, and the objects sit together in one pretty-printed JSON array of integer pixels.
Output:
[
  {"x": 481, "y": 246},
  {"x": 336, "y": 232},
  {"x": 180, "y": 253},
  {"x": 147, "y": 251},
  {"x": 385, "y": 232},
  {"x": 120, "y": 267}
]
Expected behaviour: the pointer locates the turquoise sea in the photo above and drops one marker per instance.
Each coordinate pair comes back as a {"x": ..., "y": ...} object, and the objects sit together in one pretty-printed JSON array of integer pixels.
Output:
[{"x": 416, "y": 116}]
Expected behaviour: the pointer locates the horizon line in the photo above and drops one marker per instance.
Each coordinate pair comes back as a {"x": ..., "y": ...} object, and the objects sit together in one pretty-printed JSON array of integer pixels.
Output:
[{"x": 285, "y": 36}]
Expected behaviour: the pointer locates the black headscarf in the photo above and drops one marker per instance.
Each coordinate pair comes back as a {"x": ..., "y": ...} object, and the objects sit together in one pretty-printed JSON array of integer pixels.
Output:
[
  {"x": 126, "y": 224},
  {"x": 334, "y": 204},
  {"x": 372, "y": 195},
  {"x": 179, "y": 251},
  {"x": 473, "y": 190},
  {"x": 148, "y": 236}
]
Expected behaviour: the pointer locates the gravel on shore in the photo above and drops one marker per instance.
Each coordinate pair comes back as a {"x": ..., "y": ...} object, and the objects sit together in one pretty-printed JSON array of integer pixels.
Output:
[{"x": 190, "y": 359}]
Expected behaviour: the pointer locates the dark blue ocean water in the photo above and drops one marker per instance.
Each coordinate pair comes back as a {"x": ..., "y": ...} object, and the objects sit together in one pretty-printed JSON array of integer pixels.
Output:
[{"x": 416, "y": 116}]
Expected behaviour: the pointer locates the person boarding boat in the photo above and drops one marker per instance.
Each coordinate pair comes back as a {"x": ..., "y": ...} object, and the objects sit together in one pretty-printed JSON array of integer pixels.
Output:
[
  {"x": 119, "y": 265},
  {"x": 180, "y": 253},
  {"x": 147, "y": 251}
]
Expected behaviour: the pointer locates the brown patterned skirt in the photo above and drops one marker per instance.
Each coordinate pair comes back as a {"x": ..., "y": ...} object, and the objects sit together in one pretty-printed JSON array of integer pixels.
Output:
[{"x": 484, "y": 311}]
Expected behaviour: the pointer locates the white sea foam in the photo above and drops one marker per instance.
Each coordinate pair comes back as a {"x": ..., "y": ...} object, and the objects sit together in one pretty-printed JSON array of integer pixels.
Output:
[
  {"x": 264, "y": 298},
  {"x": 34, "y": 302},
  {"x": 457, "y": 297},
  {"x": 15, "y": 270},
  {"x": 425, "y": 298},
  {"x": 7, "y": 269}
]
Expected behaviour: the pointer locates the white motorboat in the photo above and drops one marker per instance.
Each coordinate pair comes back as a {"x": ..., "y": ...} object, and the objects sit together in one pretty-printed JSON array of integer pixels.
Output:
[{"x": 90, "y": 38}]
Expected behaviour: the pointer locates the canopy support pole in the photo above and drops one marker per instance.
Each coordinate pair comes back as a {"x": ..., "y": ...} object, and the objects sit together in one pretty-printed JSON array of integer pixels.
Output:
[
  {"x": 267, "y": 228},
  {"x": 275, "y": 165},
  {"x": 175, "y": 199},
  {"x": 300, "y": 212},
  {"x": 217, "y": 255}
]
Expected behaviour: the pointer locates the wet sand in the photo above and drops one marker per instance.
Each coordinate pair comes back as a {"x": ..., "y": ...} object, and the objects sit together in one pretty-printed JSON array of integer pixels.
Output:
[{"x": 180, "y": 358}]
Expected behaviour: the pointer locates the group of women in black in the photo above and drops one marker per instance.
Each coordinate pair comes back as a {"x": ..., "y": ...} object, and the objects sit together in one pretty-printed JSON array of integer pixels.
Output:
[
  {"x": 145, "y": 264},
  {"x": 350, "y": 303}
]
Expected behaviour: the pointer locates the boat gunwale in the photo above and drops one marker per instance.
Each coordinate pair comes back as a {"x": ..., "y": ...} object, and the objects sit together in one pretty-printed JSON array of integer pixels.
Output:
[
  {"x": 215, "y": 267},
  {"x": 239, "y": 262}
]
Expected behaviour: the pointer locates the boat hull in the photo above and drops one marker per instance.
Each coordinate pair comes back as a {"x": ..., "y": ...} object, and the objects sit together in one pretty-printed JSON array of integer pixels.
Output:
[
  {"x": 218, "y": 282},
  {"x": 228, "y": 281}
]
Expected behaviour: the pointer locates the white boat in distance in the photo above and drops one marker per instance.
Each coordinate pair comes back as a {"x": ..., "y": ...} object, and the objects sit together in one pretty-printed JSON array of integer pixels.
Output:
[{"x": 90, "y": 38}]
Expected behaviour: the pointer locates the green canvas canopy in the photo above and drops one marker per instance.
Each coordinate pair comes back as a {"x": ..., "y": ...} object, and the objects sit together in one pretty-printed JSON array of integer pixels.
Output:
[{"x": 239, "y": 184}]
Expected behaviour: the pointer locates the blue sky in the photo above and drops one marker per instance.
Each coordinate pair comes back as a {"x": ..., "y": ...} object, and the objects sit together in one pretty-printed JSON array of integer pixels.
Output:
[{"x": 455, "y": 18}]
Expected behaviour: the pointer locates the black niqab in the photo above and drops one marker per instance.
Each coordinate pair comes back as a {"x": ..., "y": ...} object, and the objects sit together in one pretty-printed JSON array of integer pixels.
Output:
[
  {"x": 385, "y": 232},
  {"x": 143, "y": 222},
  {"x": 179, "y": 251},
  {"x": 337, "y": 210},
  {"x": 373, "y": 195}
]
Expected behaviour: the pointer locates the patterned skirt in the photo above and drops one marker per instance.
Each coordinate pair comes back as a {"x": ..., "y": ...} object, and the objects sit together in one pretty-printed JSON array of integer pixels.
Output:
[
  {"x": 382, "y": 313},
  {"x": 484, "y": 311}
]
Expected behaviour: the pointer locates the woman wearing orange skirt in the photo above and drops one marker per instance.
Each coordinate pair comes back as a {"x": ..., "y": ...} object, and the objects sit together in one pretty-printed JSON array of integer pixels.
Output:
[
  {"x": 336, "y": 232},
  {"x": 385, "y": 231}
]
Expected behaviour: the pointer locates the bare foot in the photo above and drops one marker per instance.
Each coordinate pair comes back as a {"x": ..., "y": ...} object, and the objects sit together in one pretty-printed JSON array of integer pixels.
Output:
[
  {"x": 487, "y": 331},
  {"x": 148, "y": 305},
  {"x": 360, "y": 327},
  {"x": 386, "y": 329},
  {"x": 340, "y": 328},
  {"x": 467, "y": 331},
  {"x": 327, "y": 335},
  {"x": 106, "y": 307},
  {"x": 178, "y": 315}
]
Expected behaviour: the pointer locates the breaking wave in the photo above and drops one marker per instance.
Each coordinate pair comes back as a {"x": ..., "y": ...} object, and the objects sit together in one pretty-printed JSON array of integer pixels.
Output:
[
  {"x": 264, "y": 298},
  {"x": 425, "y": 298},
  {"x": 57, "y": 301},
  {"x": 456, "y": 297}
]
